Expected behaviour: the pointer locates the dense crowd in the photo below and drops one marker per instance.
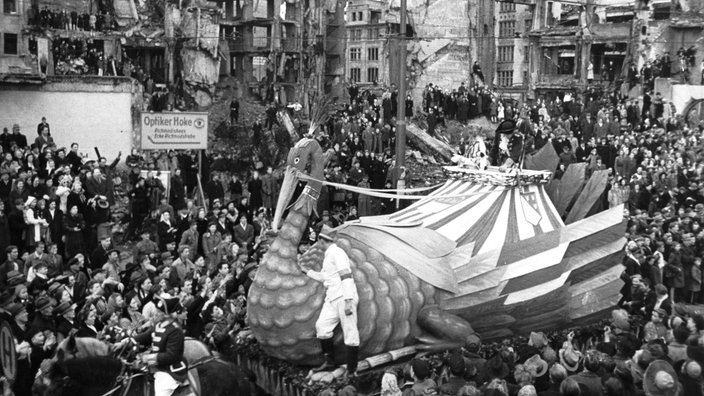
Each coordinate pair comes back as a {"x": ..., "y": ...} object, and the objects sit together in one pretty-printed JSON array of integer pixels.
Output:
[
  {"x": 653, "y": 343},
  {"x": 62, "y": 273}
]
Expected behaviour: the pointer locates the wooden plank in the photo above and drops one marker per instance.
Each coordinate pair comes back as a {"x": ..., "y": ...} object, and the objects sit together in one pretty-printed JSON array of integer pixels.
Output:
[
  {"x": 426, "y": 241},
  {"x": 592, "y": 224},
  {"x": 435, "y": 271},
  {"x": 570, "y": 183},
  {"x": 429, "y": 144},
  {"x": 553, "y": 191},
  {"x": 546, "y": 159},
  {"x": 603, "y": 278},
  {"x": 588, "y": 197},
  {"x": 603, "y": 237}
]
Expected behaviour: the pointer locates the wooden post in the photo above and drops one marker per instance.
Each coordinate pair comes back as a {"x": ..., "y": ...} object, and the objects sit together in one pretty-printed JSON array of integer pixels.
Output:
[{"x": 401, "y": 98}]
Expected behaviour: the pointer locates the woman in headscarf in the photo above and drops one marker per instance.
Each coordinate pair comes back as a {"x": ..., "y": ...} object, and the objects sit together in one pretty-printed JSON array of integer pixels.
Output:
[
  {"x": 34, "y": 223},
  {"x": 165, "y": 230}
]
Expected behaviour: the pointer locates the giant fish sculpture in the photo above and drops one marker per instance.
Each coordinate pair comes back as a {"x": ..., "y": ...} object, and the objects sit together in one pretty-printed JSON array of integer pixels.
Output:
[{"x": 487, "y": 248}]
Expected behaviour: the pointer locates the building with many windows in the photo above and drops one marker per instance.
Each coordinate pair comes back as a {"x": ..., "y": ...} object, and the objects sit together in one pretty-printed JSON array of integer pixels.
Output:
[
  {"x": 513, "y": 22},
  {"x": 367, "y": 34},
  {"x": 15, "y": 57}
]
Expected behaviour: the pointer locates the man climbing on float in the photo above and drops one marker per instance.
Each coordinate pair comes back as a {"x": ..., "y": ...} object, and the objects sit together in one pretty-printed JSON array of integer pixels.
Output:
[{"x": 340, "y": 304}]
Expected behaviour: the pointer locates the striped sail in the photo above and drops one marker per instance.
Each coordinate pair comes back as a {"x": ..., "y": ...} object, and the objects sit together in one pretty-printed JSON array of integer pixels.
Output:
[{"x": 528, "y": 270}]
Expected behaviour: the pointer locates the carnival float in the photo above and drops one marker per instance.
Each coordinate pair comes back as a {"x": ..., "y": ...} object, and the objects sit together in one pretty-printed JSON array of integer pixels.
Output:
[{"x": 488, "y": 254}]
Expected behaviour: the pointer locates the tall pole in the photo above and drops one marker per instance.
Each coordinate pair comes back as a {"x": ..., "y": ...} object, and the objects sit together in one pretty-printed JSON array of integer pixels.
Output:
[{"x": 401, "y": 99}]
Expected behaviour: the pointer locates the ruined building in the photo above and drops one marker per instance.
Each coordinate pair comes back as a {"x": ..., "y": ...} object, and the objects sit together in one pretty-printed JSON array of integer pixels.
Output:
[
  {"x": 284, "y": 50},
  {"x": 572, "y": 43}
]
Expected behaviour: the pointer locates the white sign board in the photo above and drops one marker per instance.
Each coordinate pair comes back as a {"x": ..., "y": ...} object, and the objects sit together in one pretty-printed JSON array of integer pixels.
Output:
[{"x": 174, "y": 131}]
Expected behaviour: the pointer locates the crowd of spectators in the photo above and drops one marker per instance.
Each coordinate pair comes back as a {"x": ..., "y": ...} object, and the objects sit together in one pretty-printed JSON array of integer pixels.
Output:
[
  {"x": 652, "y": 345},
  {"x": 65, "y": 273}
]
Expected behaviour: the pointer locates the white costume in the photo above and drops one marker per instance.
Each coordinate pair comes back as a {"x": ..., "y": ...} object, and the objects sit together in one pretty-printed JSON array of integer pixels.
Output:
[{"x": 336, "y": 276}]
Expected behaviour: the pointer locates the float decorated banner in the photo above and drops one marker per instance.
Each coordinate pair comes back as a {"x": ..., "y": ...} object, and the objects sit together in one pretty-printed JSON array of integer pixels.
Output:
[{"x": 174, "y": 131}]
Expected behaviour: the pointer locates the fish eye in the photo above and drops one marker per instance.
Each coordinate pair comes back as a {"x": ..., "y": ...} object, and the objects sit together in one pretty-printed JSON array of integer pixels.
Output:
[{"x": 296, "y": 160}]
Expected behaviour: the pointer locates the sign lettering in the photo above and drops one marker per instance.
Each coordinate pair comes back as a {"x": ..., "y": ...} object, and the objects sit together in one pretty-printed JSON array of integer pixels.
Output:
[{"x": 174, "y": 131}]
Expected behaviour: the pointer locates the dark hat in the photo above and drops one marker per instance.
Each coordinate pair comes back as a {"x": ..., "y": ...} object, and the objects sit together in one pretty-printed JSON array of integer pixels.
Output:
[
  {"x": 507, "y": 126},
  {"x": 54, "y": 287},
  {"x": 137, "y": 277},
  {"x": 43, "y": 302},
  {"x": 111, "y": 251},
  {"x": 63, "y": 308},
  {"x": 15, "y": 278},
  {"x": 696, "y": 352},
  {"x": 660, "y": 379},
  {"x": 421, "y": 368},
  {"x": 6, "y": 298},
  {"x": 15, "y": 308},
  {"x": 496, "y": 367},
  {"x": 169, "y": 305},
  {"x": 326, "y": 233},
  {"x": 167, "y": 255}
]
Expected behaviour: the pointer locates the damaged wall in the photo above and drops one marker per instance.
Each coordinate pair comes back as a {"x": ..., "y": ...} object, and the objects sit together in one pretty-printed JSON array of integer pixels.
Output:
[
  {"x": 197, "y": 52},
  {"x": 94, "y": 111},
  {"x": 440, "y": 54}
]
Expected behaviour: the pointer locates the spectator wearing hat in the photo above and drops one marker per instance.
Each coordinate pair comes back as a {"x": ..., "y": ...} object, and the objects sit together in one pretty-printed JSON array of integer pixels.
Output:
[
  {"x": 65, "y": 320},
  {"x": 211, "y": 239},
  {"x": 222, "y": 223},
  {"x": 661, "y": 380},
  {"x": 507, "y": 150},
  {"x": 112, "y": 269},
  {"x": 214, "y": 189},
  {"x": 190, "y": 239},
  {"x": 243, "y": 234},
  {"x": 43, "y": 315},
  {"x": 569, "y": 357},
  {"x": 690, "y": 379},
  {"x": 12, "y": 263},
  {"x": 145, "y": 246},
  {"x": 183, "y": 265},
  {"x": 589, "y": 378},
  {"x": 557, "y": 374},
  {"x": 21, "y": 332}
]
